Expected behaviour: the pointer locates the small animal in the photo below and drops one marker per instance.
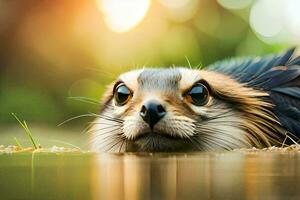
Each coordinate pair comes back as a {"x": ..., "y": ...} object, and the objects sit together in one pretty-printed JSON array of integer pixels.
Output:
[{"x": 236, "y": 103}]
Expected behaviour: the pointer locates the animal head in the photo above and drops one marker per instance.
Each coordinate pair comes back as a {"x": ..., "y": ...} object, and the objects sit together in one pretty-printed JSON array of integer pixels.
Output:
[{"x": 182, "y": 109}]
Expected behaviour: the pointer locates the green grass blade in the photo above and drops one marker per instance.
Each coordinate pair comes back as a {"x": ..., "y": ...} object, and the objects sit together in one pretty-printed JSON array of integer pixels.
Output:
[
  {"x": 30, "y": 135},
  {"x": 18, "y": 143},
  {"x": 27, "y": 130}
]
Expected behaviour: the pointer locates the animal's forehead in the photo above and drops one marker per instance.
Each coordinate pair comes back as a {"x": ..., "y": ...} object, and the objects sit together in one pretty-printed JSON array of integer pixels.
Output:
[{"x": 160, "y": 78}]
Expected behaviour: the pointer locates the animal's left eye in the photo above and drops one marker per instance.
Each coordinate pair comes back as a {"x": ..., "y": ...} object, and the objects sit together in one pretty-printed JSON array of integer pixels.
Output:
[
  {"x": 122, "y": 94},
  {"x": 198, "y": 95}
]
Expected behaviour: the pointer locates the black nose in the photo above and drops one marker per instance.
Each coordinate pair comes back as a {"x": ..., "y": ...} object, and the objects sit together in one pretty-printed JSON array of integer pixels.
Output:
[{"x": 152, "y": 112}]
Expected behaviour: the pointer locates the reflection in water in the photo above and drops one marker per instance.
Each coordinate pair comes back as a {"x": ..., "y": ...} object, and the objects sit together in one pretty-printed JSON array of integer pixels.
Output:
[
  {"x": 159, "y": 176},
  {"x": 205, "y": 176}
]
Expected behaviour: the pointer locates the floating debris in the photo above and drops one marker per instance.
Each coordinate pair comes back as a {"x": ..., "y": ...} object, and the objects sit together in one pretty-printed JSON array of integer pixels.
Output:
[
  {"x": 291, "y": 148},
  {"x": 55, "y": 149},
  {"x": 17, "y": 149}
]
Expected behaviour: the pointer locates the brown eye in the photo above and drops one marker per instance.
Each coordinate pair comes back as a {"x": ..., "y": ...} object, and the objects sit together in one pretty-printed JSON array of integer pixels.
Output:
[
  {"x": 198, "y": 95},
  {"x": 122, "y": 94}
]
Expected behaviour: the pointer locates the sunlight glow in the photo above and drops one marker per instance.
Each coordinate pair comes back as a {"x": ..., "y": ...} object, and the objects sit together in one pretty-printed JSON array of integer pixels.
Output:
[{"x": 123, "y": 15}]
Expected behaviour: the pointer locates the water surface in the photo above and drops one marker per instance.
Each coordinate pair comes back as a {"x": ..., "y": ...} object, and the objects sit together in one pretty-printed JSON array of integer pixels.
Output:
[{"x": 230, "y": 175}]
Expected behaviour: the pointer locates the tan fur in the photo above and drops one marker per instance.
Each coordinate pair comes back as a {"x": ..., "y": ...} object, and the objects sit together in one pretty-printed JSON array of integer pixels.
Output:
[{"x": 259, "y": 121}]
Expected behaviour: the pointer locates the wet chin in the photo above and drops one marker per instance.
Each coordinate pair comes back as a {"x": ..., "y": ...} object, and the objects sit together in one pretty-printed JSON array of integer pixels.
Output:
[{"x": 156, "y": 142}]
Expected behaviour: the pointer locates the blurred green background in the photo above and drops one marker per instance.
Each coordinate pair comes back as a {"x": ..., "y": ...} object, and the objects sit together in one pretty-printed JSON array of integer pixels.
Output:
[{"x": 54, "y": 49}]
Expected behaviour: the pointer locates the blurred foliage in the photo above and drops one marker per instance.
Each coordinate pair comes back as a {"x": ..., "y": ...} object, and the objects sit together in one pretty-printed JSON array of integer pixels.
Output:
[{"x": 51, "y": 50}]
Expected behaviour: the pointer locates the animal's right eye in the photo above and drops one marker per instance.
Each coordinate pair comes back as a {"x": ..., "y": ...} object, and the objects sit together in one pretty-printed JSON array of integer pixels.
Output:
[
  {"x": 198, "y": 95},
  {"x": 122, "y": 94}
]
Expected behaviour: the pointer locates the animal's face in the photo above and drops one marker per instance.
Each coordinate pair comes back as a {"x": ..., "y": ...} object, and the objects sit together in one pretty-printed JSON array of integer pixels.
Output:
[{"x": 176, "y": 109}]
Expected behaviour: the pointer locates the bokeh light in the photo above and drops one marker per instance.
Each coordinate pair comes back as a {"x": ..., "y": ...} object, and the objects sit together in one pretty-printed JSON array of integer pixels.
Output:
[
  {"x": 235, "y": 4},
  {"x": 276, "y": 21},
  {"x": 266, "y": 18},
  {"x": 123, "y": 15},
  {"x": 292, "y": 17},
  {"x": 180, "y": 10}
]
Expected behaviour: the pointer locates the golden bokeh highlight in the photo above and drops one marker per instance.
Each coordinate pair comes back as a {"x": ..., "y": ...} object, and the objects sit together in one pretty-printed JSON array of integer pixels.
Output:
[{"x": 123, "y": 15}]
